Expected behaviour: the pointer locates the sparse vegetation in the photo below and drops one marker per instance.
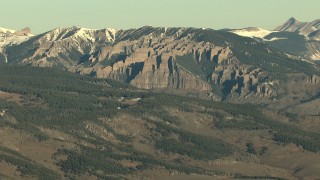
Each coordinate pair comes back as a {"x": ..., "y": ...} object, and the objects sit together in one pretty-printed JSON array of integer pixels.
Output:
[
  {"x": 27, "y": 168},
  {"x": 68, "y": 103},
  {"x": 193, "y": 145}
]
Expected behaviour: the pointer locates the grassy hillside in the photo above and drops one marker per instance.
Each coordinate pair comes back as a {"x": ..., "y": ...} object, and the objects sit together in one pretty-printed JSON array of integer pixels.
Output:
[{"x": 60, "y": 125}]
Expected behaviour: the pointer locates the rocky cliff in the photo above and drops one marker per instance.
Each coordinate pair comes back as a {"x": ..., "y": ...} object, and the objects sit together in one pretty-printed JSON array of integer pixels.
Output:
[{"x": 216, "y": 63}]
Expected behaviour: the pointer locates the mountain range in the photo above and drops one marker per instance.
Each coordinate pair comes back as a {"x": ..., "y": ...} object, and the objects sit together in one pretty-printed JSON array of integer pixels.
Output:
[
  {"x": 160, "y": 103},
  {"x": 294, "y": 37},
  {"x": 245, "y": 65}
]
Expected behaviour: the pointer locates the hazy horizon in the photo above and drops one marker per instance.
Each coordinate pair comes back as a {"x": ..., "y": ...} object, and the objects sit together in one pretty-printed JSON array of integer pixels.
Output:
[{"x": 42, "y": 16}]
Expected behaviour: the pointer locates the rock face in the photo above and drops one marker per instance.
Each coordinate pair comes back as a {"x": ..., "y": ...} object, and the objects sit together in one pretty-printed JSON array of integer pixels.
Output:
[
  {"x": 175, "y": 59},
  {"x": 150, "y": 62},
  {"x": 242, "y": 80},
  {"x": 314, "y": 79}
]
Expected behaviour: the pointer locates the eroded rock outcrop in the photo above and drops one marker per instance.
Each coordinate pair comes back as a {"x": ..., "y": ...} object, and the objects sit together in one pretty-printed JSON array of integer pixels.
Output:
[
  {"x": 150, "y": 62},
  {"x": 242, "y": 80},
  {"x": 314, "y": 79},
  {"x": 148, "y": 58}
]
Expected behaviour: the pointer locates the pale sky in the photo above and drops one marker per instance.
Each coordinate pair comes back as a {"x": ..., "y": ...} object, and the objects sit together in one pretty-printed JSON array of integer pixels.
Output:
[{"x": 44, "y": 15}]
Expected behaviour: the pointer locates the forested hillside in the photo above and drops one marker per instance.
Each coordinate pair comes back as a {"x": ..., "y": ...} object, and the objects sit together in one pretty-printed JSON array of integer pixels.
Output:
[{"x": 59, "y": 125}]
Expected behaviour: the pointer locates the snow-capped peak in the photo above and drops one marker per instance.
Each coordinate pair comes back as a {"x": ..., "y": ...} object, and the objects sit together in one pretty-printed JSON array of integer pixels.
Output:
[
  {"x": 9, "y": 37},
  {"x": 83, "y": 33}
]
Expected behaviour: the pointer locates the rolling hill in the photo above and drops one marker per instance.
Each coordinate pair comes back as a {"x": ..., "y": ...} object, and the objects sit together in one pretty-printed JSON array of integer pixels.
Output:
[{"x": 59, "y": 125}]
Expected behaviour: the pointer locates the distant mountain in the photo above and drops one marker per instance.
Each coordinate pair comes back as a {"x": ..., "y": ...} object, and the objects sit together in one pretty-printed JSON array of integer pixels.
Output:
[
  {"x": 292, "y": 25},
  {"x": 119, "y": 120},
  {"x": 296, "y": 44},
  {"x": 311, "y": 42},
  {"x": 10, "y": 37},
  {"x": 294, "y": 37},
  {"x": 200, "y": 62},
  {"x": 308, "y": 29}
]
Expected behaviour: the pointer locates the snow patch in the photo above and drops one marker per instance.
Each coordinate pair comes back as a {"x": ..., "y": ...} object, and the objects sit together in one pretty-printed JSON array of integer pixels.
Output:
[
  {"x": 10, "y": 39},
  {"x": 315, "y": 56},
  {"x": 256, "y": 33},
  {"x": 252, "y": 32},
  {"x": 111, "y": 34},
  {"x": 275, "y": 39},
  {"x": 86, "y": 34},
  {"x": 82, "y": 33},
  {"x": 4, "y": 30},
  {"x": 91, "y": 34},
  {"x": 55, "y": 34}
]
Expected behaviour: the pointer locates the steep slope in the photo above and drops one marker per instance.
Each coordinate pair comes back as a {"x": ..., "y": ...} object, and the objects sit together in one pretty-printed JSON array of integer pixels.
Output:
[
  {"x": 292, "y": 25},
  {"x": 63, "y": 47},
  {"x": 10, "y": 37},
  {"x": 290, "y": 42},
  {"x": 315, "y": 35},
  {"x": 198, "y": 62},
  {"x": 309, "y": 47},
  {"x": 294, "y": 37},
  {"x": 308, "y": 29}
]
